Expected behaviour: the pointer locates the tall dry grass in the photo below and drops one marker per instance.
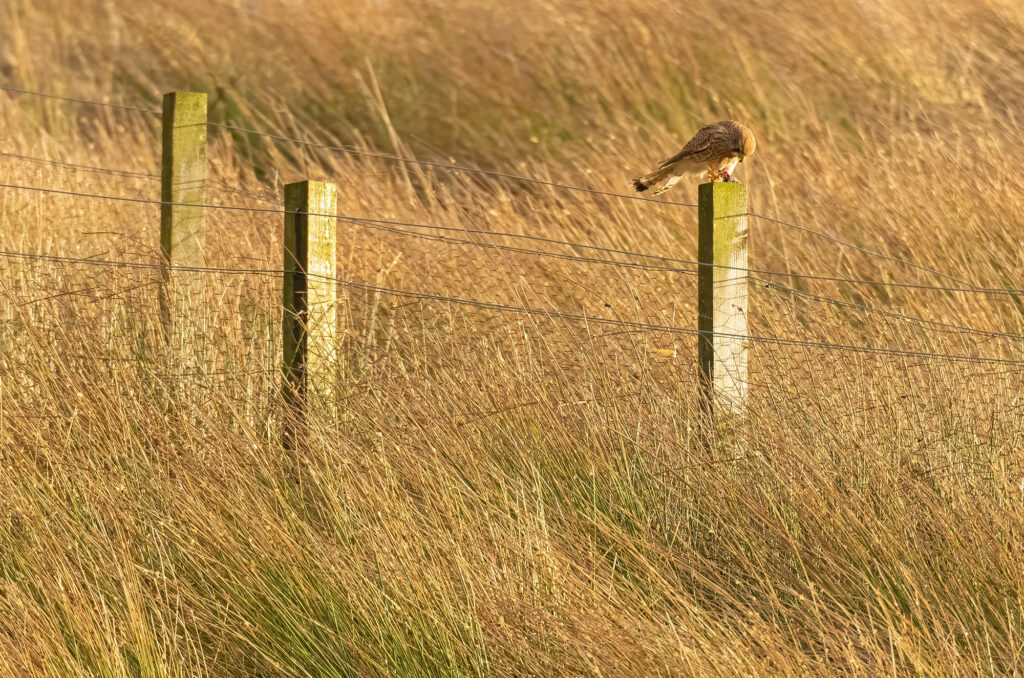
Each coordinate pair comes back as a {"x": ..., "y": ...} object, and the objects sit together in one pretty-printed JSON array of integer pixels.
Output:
[{"x": 502, "y": 494}]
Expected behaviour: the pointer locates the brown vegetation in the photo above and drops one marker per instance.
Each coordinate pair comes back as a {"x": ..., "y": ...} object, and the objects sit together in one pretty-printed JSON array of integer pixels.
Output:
[{"x": 505, "y": 494}]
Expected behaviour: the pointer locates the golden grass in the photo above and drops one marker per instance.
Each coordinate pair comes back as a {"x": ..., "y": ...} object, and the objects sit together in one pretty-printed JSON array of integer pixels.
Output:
[{"x": 502, "y": 494}]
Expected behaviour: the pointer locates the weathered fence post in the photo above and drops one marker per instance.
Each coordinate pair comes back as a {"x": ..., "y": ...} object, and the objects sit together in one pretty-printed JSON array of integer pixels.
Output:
[
  {"x": 722, "y": 301},
  {"x": 183, "y": 223},
  {"x": 310, "y": 295}
]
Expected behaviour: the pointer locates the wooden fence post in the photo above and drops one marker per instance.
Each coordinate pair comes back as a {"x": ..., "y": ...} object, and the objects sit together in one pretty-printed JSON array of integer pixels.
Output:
[
  {"x": 310, "y": 296},
  {"x": 182, "y": 226},
  {"x": 722, "y": 296}
]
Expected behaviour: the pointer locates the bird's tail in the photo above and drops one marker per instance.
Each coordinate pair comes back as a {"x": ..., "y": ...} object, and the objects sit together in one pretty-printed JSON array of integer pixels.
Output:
[{"x": 641, "y": 184}]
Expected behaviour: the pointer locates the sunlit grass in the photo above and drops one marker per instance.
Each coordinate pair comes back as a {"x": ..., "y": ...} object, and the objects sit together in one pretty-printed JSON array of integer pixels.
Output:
[{"x": 502, "y": 494}]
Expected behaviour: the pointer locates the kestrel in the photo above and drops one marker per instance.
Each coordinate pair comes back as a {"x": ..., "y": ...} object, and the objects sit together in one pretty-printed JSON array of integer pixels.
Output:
[{"x": 713, "y": 153}]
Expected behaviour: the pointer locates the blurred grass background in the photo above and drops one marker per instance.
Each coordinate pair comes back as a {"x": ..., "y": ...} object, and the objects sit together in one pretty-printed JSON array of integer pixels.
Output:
[{"x": 506, "y": 495}]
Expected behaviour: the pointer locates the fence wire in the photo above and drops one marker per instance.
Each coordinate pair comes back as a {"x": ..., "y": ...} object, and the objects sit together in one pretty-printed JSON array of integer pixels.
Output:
[
  {"x": 394, "y": 224},
  {"x": 401, "y": 228},
  {"x": 584, "y": 318},
  {"x": 942, "y": 326}
]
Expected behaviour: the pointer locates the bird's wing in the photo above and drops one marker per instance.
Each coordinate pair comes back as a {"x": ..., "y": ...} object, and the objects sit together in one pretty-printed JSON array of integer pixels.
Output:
[{"x": 700, "y": 143}]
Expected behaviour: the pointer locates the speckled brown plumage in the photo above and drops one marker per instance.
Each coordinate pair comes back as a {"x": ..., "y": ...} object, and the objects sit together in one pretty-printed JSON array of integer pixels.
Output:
[{"x": 713, "y": 152}]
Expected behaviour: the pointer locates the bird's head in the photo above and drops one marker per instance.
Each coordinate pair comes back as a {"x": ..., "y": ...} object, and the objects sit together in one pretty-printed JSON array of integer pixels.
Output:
[{"x": 745, "y": 144}]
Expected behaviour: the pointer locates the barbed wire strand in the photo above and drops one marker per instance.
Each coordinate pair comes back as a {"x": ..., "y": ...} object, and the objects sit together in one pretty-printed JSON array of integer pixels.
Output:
[
  {"x": 366, "y": 220},
  {"x": 525, "y": 310}
]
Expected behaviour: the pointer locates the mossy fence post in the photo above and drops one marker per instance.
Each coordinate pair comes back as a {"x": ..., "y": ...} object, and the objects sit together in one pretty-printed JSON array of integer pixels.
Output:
[
  {"x": 182, "y": 215},
  {"x": 309, "y": 330},
  {"x": 722, "y": 297}
]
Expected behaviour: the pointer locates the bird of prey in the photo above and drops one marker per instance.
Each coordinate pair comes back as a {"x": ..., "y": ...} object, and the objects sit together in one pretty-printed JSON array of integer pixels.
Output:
[{"x": 713, "y": 153}]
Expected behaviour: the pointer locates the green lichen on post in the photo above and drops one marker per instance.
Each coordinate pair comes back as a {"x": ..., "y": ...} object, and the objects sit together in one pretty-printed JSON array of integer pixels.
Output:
[
  {"x": 722, "y": 295},
  {"x": 310, "y": 296},
  {"x": 183, "y": 192}
]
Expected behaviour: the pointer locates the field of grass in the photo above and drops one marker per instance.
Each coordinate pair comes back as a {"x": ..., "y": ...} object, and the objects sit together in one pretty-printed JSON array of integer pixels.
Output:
[{"x": 500, "y": 494}]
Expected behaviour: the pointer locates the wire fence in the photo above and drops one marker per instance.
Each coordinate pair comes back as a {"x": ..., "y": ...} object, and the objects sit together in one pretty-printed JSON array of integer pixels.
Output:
[
  {"x": 447, "y": 234},
  {"x": 396, "y": 226},
  {"x": 499, "y": 174},
  {"x": 584, "y": 318},
  {"x": 503, "y": 175}
]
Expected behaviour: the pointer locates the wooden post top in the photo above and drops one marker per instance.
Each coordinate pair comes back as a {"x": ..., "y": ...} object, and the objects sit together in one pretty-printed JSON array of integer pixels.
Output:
[
  {"x": 185, "y": 108},
  {"x": 727, "y": 199},
  {"x": 308, "y": 195}
]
